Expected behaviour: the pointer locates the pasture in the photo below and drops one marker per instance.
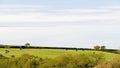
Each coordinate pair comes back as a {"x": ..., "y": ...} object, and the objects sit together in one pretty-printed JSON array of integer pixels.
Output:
[
  {"x": 57, "y": 58},
  {"x": 51, "y": 53}
]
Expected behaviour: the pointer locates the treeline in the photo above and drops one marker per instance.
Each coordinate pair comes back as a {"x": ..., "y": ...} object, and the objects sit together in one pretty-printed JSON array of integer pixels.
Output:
[
  {"x": 39, "y": 47},
  {"x": 27, "y": 46}
]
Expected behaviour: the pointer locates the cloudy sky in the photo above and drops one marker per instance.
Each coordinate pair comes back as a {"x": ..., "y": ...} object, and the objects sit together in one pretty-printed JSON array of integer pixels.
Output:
[{"x": 61, "y": 23}]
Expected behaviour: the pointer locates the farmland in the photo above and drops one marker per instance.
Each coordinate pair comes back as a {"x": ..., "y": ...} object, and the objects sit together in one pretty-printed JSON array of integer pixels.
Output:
[
  {"x": 49, "y": 53},
  {"x": 57, "y": 58}
]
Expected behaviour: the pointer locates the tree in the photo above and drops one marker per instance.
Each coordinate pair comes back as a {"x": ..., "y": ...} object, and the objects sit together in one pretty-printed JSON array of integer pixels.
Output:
[
  {"x": 103, "y": 47},
  {"x": 96, "y": 47},
  {"x": 27, "y": 45},
  {"x": 6, "y": 46}
]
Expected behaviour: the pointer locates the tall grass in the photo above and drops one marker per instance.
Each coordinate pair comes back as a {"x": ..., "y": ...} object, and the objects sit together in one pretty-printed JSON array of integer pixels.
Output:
[
  {"x": 65, "y": 61},
  {"x": 114, "y": 63},
  {"x": 73, "y": 59}
]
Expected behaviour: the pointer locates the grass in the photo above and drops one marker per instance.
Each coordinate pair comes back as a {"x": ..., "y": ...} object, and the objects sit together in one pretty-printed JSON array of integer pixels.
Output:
[
  {"x": 51, "y": 53},
  {"x": 57, "y": 58}
]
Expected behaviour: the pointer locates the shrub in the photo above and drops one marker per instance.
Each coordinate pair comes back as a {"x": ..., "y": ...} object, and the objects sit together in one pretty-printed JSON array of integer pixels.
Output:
[
  {"x": 102, "y": 47},
  {"x": 65, "y": 61},
  {"x": 97, "y": 47},
  {"x": 74, "y": 61},
  {"x": 114, "y": 63},
  {"x": 27, "y": 45}
]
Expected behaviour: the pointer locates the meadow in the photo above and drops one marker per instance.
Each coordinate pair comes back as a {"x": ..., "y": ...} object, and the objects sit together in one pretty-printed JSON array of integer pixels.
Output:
[
  {"x": 57, "y": 58},
  {"x": 49, "y": 53}
]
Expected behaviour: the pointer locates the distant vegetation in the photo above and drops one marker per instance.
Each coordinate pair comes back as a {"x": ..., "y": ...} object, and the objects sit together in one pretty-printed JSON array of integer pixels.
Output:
[
  {"x": 97, "y": 47},
  {"x": 27, "y": 45}
]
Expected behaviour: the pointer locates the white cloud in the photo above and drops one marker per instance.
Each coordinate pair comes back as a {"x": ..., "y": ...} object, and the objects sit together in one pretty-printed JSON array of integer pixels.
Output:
[
  {"x": 44, "y": 17},
  {"x": 20, "y": 6},
  {"x": 82, "y": 10},
  {"x": 65, "y": 15}
]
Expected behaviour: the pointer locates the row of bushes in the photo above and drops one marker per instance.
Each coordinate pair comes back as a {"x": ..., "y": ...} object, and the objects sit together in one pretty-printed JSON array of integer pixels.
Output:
[
  {"x": 65, "y": 61},
  {"x": 65, "y": 48},
  {"x": 38, "y": 47}
]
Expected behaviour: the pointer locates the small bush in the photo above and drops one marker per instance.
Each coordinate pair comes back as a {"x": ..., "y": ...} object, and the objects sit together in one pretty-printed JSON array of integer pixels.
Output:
[
  {"x": 96, "y": 47},
  {"x": 114, "y": 63}
]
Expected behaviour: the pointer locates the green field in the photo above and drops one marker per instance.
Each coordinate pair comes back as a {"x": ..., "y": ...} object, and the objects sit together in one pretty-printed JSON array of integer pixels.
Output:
[
  {"x": 57, "y": 58},
  {"x": 51, "y": 53}
]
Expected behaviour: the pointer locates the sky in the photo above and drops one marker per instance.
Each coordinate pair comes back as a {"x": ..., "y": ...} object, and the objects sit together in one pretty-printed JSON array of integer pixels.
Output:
[{"x": 60, "y": 23}]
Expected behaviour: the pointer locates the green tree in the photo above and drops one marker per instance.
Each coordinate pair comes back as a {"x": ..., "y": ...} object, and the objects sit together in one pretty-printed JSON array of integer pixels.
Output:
[
  {"x": 102, "y": 47},
  {"x": 27, "y": 45},
  {"x": 6, "y": 46},
  {"x": 96, "y": 47}
]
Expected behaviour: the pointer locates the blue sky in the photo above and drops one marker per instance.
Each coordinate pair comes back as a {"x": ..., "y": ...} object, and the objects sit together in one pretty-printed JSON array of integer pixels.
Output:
[
  {"x": 67, "y": 4},
  {"x": 67, "y": 23},
  {"x": 64, "y": 3}
]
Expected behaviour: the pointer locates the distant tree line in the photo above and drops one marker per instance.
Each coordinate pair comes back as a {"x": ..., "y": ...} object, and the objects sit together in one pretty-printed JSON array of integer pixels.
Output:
[
  {"x": 97, "y": 47},
  {"x": 28, "y": 46}
]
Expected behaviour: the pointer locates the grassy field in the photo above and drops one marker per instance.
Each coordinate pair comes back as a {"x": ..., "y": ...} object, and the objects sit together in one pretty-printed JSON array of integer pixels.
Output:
[
  {"x": 57, "y": 58},
  {"x": 51, "y": 53}
]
